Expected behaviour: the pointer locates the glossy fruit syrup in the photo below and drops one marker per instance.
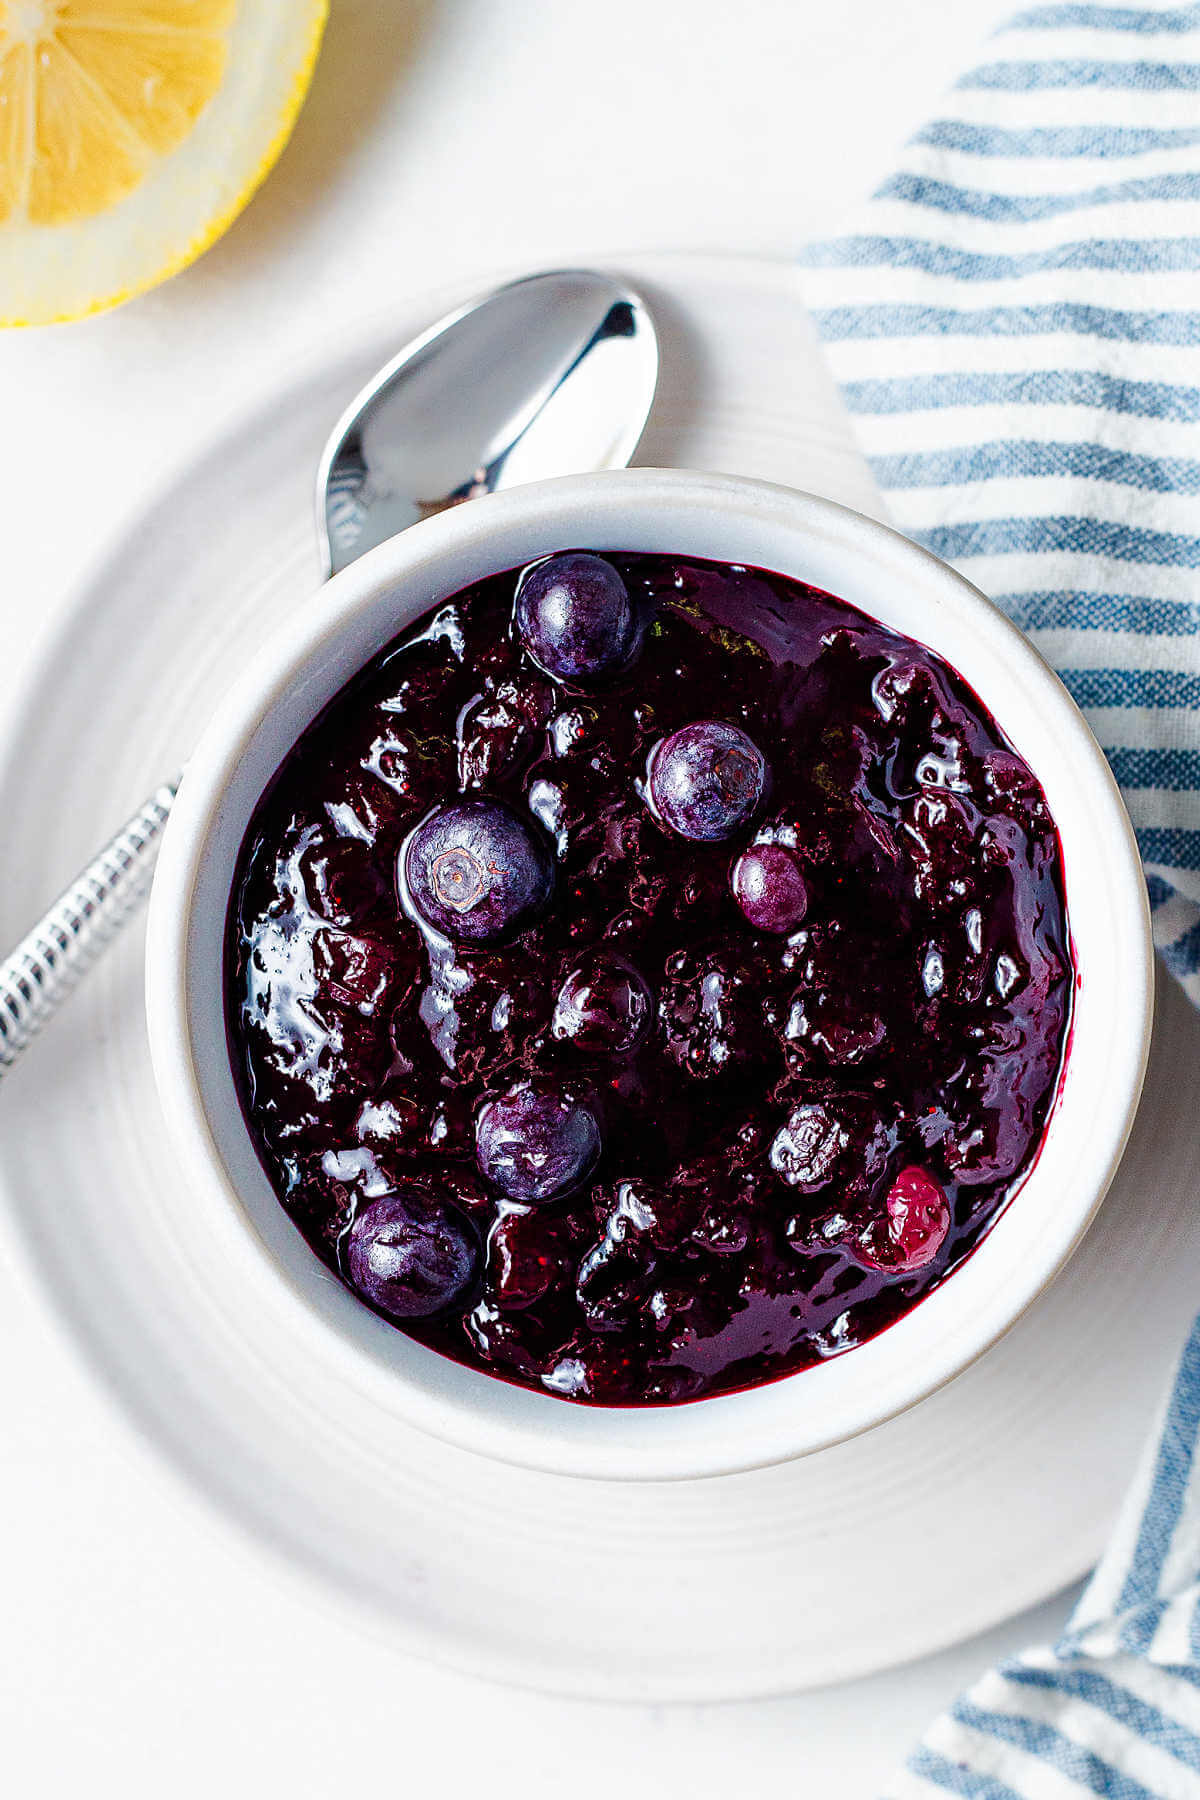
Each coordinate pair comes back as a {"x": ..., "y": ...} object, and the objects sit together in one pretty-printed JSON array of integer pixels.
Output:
[{"x": 648, "y": 977}]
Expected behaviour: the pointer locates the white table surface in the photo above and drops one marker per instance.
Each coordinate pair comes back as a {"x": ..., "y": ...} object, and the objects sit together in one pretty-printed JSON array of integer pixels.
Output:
[{"x": 142, "y": 1642}]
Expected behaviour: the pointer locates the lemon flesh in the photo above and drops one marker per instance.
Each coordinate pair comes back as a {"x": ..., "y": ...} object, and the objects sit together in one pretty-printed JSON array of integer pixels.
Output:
[{"x": 132, "y": 132}]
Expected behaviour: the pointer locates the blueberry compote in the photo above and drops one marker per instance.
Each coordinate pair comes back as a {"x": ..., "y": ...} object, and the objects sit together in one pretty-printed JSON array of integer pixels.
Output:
[{"x": 648, "y": 977}]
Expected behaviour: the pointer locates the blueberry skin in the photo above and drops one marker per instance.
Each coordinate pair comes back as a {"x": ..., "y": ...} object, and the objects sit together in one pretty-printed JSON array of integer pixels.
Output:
[
  {"x": 412, "y": 1255},
  {"x": 477, "y": 870},
  {"x": 575, "y": 618},
  {"x": 537, "y": 1142},
  {"x": 604, "y": 1006},
  {"x": 706, "y": 780},
  {"x": 768, "y": 884}
]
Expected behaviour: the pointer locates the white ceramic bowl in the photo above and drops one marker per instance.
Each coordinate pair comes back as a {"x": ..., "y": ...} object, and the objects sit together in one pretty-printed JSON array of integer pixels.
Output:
[{"x": 730, "y": 520}]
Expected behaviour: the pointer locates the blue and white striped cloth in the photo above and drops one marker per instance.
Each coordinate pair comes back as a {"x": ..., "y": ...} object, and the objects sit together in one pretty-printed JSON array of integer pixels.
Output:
[
  {"x": 1015, "y": 325},
  {"x": 1114, "y": 1707}
]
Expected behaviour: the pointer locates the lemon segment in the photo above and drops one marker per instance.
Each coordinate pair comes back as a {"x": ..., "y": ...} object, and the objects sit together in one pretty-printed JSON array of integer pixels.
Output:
[
  {"x": 149, "y": 15},
  {"x": 16, "y": 126},
  {"x": 132, "y": 132}
]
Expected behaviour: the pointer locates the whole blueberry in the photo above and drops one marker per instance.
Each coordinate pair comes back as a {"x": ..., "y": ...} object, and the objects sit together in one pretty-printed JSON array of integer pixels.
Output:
[
  {"x": 412, "y": 1255},
  {"x": 603, "y": 1006},
  {"x": 477, "y": 870},
  {"x": 768, "y": 885},
  {"x": 706, "y": 779},
  {"x": 575, "y": 617},
  {"x": 537, "y": 1141}
]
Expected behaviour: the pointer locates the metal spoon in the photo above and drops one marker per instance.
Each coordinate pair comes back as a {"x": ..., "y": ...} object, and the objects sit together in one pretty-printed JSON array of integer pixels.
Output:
[{"x": 551, "y": 375}]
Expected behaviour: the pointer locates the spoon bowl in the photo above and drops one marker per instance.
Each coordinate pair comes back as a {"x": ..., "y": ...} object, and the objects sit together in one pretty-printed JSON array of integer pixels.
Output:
[{"x": 550, "y": 375}]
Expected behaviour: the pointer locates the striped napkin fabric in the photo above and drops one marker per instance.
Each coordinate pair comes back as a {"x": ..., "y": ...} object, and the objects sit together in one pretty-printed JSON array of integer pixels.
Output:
[
  {"x": 1015, "y": 325},
  {"x": 1014, "y": 322},
  {"x": 1114, "y": 1707}
]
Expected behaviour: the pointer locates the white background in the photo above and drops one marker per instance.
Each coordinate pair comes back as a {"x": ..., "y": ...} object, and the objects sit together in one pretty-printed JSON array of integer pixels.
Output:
[{"x": 143, "y": 1647}]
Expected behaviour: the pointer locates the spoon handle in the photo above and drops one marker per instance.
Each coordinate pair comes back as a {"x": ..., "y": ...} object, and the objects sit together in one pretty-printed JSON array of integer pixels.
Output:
[{"x": 46, "y": 964}]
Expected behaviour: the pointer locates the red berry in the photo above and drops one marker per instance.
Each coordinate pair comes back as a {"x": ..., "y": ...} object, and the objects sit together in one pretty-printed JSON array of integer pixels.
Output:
[
  {"x": 916, "y": 1225},
  {"x": 768, "y": 884}
]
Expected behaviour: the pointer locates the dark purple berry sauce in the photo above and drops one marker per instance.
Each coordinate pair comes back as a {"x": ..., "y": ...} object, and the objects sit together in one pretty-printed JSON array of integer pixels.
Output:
[{"x": 648, "y": 977}]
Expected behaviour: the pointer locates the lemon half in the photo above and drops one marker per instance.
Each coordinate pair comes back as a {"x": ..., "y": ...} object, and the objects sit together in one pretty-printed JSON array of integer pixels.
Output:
[{"x": 132, "y": 132}]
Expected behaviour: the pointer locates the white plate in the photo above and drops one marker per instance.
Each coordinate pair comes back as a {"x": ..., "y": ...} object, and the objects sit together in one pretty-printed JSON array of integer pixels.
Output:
[{"x": 985, "y": 1499}]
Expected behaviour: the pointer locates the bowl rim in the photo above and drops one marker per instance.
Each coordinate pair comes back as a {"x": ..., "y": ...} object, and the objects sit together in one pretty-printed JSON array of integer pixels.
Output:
[{"x": 280, "y": 676}]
